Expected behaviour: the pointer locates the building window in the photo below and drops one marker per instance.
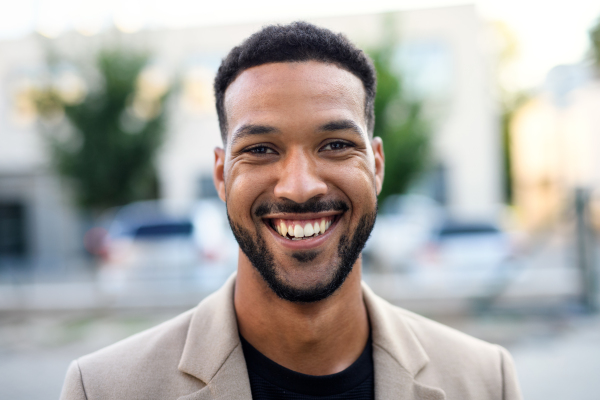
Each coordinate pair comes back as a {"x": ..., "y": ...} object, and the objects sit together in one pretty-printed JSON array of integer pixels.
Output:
[{"x": 12, "y": 230}]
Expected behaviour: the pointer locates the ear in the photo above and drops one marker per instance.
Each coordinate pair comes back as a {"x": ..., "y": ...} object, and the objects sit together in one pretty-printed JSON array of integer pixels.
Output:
[
  {"x": 377, "y": 146},
  {"x": 219, "y": 171}
]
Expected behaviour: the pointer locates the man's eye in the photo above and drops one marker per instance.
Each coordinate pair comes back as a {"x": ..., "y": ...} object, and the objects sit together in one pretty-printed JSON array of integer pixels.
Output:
[
  {"x": 260, "y": 150},
  {"x": 336, "y": 146}
]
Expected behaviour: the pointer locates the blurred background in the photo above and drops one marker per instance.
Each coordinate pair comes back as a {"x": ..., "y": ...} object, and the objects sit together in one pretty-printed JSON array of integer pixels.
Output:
[{"x": 110, "y": 223}]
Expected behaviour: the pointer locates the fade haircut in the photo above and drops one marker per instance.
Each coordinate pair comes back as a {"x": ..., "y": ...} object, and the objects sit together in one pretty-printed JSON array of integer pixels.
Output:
[{"x": 296, "y": 42}]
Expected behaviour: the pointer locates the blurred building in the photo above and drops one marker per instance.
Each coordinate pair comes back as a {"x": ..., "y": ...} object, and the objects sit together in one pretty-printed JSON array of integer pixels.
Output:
[
  {"x": 38, "y": 225},
  {"x": 442, "y": 54},
  {"x": 555, "y": 144}
]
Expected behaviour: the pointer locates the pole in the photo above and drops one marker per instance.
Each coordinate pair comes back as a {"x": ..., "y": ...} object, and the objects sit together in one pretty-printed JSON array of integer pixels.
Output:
[{"x": 586, "y": 250}]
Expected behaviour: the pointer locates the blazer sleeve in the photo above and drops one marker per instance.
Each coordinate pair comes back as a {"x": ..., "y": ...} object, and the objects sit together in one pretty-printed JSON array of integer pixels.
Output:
[
  {"x": 73, "y": 387},
  {"x": 510, "y": 383}
]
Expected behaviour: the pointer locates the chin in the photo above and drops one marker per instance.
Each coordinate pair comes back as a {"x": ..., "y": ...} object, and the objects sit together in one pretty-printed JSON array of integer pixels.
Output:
[{"x": 349, "y": 247}]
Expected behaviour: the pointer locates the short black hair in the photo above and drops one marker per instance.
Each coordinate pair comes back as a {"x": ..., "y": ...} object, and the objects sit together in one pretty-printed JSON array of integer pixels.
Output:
[{"x": 295, "y": 42}]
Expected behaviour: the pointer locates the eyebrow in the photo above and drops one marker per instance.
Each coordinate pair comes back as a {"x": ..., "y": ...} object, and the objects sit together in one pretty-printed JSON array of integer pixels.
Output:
[
  {"x": 250, "y": 129},
  {"x": 341, "y": 125},
  {"x": 333, "y": 126}
]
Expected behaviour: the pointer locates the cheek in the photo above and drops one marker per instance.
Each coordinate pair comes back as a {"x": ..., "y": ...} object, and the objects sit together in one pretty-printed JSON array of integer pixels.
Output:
[
  {"x": 243, "y": 188},
  {"x": 356, "y": 180}
]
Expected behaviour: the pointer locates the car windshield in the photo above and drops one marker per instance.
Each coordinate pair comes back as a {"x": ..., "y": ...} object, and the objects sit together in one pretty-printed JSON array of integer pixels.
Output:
[
  {"x": 467, "y": 229},
  {"x": 165, "y": 229}
]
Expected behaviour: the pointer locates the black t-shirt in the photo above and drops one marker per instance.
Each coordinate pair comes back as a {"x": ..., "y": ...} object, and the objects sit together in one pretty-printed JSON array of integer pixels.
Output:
[{"x": 271, "y": 381}]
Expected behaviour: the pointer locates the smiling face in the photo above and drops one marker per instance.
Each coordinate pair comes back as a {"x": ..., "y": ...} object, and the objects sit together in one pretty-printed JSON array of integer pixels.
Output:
[{"x": 300, "y": 174}]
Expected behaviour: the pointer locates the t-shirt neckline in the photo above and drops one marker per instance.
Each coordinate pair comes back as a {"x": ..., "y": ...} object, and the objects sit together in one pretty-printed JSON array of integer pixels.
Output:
[{"x": 325, "y": 385}]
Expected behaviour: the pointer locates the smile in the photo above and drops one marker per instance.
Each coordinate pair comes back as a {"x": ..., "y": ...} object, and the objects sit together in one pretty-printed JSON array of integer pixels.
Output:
[{"x": 301, "y": 229}]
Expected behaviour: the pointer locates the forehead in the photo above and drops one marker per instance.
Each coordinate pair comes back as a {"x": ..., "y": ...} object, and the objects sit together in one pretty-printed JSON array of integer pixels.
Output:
[{"x": 280, "y": 92}]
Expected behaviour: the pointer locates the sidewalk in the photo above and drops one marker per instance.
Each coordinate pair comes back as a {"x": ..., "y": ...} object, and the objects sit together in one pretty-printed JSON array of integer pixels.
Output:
[{"x": 565, "y": 367}]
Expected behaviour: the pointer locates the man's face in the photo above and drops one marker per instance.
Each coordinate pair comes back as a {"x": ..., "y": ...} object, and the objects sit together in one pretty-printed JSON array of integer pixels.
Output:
[{"x": 300, "y": 175}]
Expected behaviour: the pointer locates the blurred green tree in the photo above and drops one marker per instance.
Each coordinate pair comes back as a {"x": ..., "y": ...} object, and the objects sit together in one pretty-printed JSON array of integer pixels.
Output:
[
  {"x": 114, "y": 129},
  {"x": 510, "y": 97},
  {"x": 400, "y": 122},
  {"x": 595, "y": 44}
]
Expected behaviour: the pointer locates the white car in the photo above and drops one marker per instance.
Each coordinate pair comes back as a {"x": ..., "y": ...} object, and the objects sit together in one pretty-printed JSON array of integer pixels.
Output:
[
  {"x": 469, "y": 246},
  {"x": 470, "y": 259},
  {"x": 155, "y": 240},
  {"x": 403, "y": 227}
]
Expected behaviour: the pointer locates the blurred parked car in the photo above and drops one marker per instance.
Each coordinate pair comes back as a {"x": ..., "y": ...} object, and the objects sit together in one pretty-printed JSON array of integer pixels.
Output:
[
  {"x": 157, "y": 240},
  {"x": 472, "y": 246},
  {"x": 472, "y": 259},
  {"x": 404, "y": 225}
]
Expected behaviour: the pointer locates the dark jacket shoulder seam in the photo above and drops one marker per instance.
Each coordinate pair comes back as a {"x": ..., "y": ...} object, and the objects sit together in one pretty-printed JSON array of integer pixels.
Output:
[
  {"x": 502, "y": 377},
  {"x": 81, "y": 379}
]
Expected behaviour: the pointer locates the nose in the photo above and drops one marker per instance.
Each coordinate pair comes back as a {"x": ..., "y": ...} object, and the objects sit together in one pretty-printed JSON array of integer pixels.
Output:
[{"x": 298, "y": 180}]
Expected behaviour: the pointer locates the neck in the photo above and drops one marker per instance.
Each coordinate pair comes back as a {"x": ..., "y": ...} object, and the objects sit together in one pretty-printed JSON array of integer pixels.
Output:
[{"x": 318, "y": 338}]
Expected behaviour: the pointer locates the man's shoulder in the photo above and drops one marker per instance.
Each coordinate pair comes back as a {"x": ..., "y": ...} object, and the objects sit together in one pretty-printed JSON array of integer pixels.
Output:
[
  {"x": 167, "y": 338},
  {"x": 456, "y": 360},
  {"x": 442, "y": 357},
  {"x": 133, "y": 367},
  {"x": 440, "y": 348},
  {"x": 169, "y": 360},
  {"x": 166, "y": 341},
  {"x": 435, "y": 335},
  {"x": 430, "y": 334}
]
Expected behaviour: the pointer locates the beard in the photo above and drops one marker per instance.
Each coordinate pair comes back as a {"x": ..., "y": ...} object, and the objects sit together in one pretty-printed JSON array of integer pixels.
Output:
[{"x": 349, "y": 248}]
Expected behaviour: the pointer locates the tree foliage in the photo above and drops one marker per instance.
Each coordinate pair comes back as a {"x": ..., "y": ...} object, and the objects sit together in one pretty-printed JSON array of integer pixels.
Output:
[
  {"x": 400, "y": 122},
  {"x": 595, "y": 44},
  {"x": 510, "y": 99},
  {"x": 114, "y": 132}
]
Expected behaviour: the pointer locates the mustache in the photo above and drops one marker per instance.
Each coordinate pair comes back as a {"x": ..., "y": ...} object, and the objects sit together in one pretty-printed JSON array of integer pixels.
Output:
[{"x": 311, "y": 206}]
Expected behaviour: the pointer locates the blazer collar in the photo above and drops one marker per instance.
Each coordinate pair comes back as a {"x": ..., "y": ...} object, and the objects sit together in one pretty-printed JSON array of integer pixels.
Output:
[
  {"x": 398, "y": 356},
  {"x": 213, "y": 352}
]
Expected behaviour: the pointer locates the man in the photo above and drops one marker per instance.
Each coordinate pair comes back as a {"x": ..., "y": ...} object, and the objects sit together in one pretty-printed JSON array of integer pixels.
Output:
[{"x": 300, "y": 173}]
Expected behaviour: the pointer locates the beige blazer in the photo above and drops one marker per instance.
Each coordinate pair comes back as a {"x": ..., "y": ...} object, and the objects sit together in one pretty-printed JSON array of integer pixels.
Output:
[{"x": 198, "y": 356}]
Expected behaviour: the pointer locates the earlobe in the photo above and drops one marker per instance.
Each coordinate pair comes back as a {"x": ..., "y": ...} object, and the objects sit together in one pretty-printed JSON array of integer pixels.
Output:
[
  {"x": 377, "y": 146},
  {"x": 219, "y": 172}
]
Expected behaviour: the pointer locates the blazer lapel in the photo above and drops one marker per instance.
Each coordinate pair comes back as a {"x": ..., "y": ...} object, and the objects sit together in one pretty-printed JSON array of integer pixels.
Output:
[
  {"x": 230, "y": 382},
  {"x": 392, "y": 381},
  {"x": 397, "y": 354},
  {"x": 213, "y": 352}
]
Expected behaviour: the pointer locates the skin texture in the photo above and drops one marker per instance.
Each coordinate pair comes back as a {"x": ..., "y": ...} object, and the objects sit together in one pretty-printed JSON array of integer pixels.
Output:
[{"x": 297, "y": 133}]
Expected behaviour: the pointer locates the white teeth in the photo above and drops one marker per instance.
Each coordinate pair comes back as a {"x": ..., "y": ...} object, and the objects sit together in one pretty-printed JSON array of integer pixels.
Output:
[
  {"x": 308, "y": 229},
  {"x": 298, "y": 231},
  {"x": 282, "y": 229}
]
